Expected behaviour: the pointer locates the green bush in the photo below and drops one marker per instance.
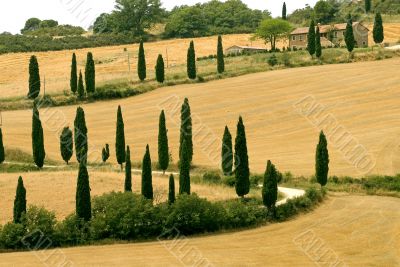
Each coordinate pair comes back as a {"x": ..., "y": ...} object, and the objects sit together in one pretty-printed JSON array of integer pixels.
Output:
[
  {"x": 212, "y": 177},
  {"x": 11, "y": 236},
  {"x": 229, "y": 181},
  {"x": 239, "y": 214},
  {"x": 272, "y": 60},
  {"x": 256, "y": 180},
  {"x": 72, "y": 231}
]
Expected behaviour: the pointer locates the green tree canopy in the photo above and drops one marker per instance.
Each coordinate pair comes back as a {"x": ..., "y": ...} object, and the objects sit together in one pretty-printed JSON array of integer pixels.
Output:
[
  {"x": 31, "y": 25},
  {"x": 273, "y": 30}
]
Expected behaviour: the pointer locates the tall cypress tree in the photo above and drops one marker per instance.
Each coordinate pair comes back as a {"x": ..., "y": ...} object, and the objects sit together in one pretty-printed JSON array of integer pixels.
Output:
[
  {"x": 367, "y": 6},
  {"x": 227, "y": 154},
  {"x": 20, "y": 201},
  {"x": 105, "y": 153},
  {"x": 184, "y": 170},
  {"x": 322, "y": 160},
  {"x": 318, "y": 47},
  {"x": 39, "y": 153},
  {"x": 66, "y": 144},
  {"x": 34, "y": 78},
  {"x": 220, "y": 56},
  {"x": 311, "y": 38},
  {"x": 270, "y": 187},
  {"x": 81, "y": 87},
  {"x": 160, "y": 69},
  {"x": 242, "y": 172},
  {"x": 2, "y": 153},
  {"x": 186, "y": 129},
  {"x": 80, "y": 135},
  {"x": 90, "y": 74},
  {"x": 147, "y": 177},
  {"x": 141, "y": 62},
  {"x": 83, "y": 202},
  {"x": 120, "y": 138},
  {"x": 191, "y": 62},
  {"x": 128, "y": 171},
  {"x": 349, "y": 35},
  {"x": 171, "y": 191},
  {"x": 378, "y": 32},
  {"x": 284, "y": 12},
  {"x": 74, "y": 75},
  {"x": 163, "y": 149}
]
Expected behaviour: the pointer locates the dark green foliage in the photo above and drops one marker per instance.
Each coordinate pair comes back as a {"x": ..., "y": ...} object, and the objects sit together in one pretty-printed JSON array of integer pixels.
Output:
[
  {"x": 284, "y": 11},
  {"x": 160, "y": 69},
  {"x": 34, "y": 78},
  {"x": 80, "y": 135},
  {"x": 311, "y": 38},
  {"x": 74, "y": 75},
  {"x": 105, "y": 153},
  {"x": 141, "y": 63},
  {"x": 212, "y": 177},
  {"x": 11, "y": 236},
  {"x": 270, "y": 187},
  {"x": 120, "y": 138},
  {"x": 378, "y": 31},
  {"x": 227, "y": 153},
  {"x": 81, "y": 87},
  {"x": 2, "y": 153},
  {"x": 39, "y": 153},
  {"x": 184, "y": 170},
  {"x": 272, "y": 60},
  {"x": 242, "y": 172},
  {"x": 322, "y": 160},
  {"x": 171, "y": 190},
  {"x": 220, "y": 56},
  {"x": 128, "y": 171},
  {"x": 191, "y": 62},
  {"x": 163, "y": 149},
  {"x": 186, "y": 129},
  {"x": 318, "y": 47},
  {"x": 66, "y": 144},
  {"x": 83, "y": 202},
  {"x": 147, "y": 177},
  {"x": 367, "y": 6},
  {"x": 349, "y": 35},
  {"x": 90, "y": 74},
  {"x": 20, "y": 201}
]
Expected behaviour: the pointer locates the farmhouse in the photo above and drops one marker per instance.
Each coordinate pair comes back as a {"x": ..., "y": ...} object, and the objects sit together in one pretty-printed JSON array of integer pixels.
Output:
[
  {"x": 331, "y": 35},
  {"x": 236, "y": 49}
]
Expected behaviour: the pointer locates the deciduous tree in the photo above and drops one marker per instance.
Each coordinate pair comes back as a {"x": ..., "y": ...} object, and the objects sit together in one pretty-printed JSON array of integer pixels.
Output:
[{"x": 273, "y": 30}]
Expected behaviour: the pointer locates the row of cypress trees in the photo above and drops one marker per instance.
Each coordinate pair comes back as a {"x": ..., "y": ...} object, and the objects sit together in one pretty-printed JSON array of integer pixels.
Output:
[{"x": 76, "y": 84}]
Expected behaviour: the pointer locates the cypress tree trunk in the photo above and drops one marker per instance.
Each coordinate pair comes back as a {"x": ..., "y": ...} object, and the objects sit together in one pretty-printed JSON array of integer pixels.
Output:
[
  {"x": 80, "y": 135},
  {"x": 242, "y": 172},
  {"x": 20, "y": 201},
  {"x": 311, "y": 39},
  {"x": 81, "y": 87},
  {"x": 349, "y": 36},
  {"x": 160, "y": 69},
  {"x": 90, "y": 74},
  {"x": 220, "y": 56},
  {"x": 171, "y": 191},
  {"x": 318, "y": 48},
  {"x": 34, "y": 78},
  {"x": 322, "y": 160},
  {"x": 83, "y": 202},
  {"x": 378, "y": 31},
  {"x": 227, "y": 154},
  {"x": 147, "y": 177},
  {"x": 2, "y": 153},
  {"x": 270, "y": 187},
  {"x": 120, "y": 139},
  {"x": 186, "y": 129},
  {"x": 163, "y": 149},
  {"x": 284, "y": 16},
  {"x": 184, "y": 170},
  {"x": 191, "y": 62},
  {"x": 74, "y": 75},
  {"x": 66, "y": 144},
  {"x": 141, "y": 62},
  {"x": 39, "y": 153},
  {"x": 128, "y": 171}
]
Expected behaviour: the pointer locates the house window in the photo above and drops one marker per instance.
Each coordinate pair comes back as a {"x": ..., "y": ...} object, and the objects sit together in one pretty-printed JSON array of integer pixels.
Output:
[
  {"x": 294, "y": 37},
  {"x": 301, "y": 37}
]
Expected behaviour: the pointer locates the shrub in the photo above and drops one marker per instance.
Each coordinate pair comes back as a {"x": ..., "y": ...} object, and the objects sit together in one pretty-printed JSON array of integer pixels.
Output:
[
  {"x": 256, "y": 180},
  {"x": 72, "y": 231},
  {"x": 212, "y": 177},
  {"x": 229, "y": 181},
  {"x": 272, "y": 60},
  {"x": 11, "y": 236},
  {"x": 239, "y": 214}
]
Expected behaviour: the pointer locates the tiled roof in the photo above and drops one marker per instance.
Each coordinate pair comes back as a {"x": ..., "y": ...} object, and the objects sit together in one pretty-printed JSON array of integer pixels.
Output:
[{"x": 324, "y": 28}]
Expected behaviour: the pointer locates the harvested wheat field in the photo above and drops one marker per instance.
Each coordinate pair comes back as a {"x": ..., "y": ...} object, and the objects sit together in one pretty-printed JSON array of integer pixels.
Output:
[
  {"x": 56, "y": 190},
  {"x": 344, "y": 231},
  {"x": 356, "y": 104}
]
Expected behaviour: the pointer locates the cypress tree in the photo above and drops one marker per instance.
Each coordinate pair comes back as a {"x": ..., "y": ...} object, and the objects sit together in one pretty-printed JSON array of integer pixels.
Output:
[
  {"x": 322, "y": 160},
  {"x": 34, "y": 78},
  {"x": 220, "y": 56},
  {"x": 242, "y": 172},
  {"x": 128, "y": 171},
  {"x": 184, "y": 170},
  {"x": 147, "y": 177},
  {"x": 141, "y": 62},
  {"x": 66, "y": 144},
  {"x": 270, "y": 187},
  {"x": 311, "y": 39},
  {"x": 120, "y": 138},
  {"x": 349, "y": 35},
  {"x": 74, "y": 75},
  {"x": 367, "y": 6},
  {"x": 39, "y": 153},
  {"x": 318, "y": 48},
  {"x": 105, "y": 153},
  {"x": 186, "y": 129},
  {"x": 171, "y": 191},
  {"x": 90, "y": 74},
  {"x": 160, "y": 69},
  {"x": 378, "y": 32},
  {"x": 80, "y": 135},
  {"x": 83, "y": 202},
  {"x": 191, "y": 62},
  {"x": 2, "y": 153},
  {"x": 284, "y": 12},
  {"x": 81, "y": 87},
  {"x": 20, "y": 201},
  {"x": 163, "y": 149},
  {"x": 227, "y": 154}
]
